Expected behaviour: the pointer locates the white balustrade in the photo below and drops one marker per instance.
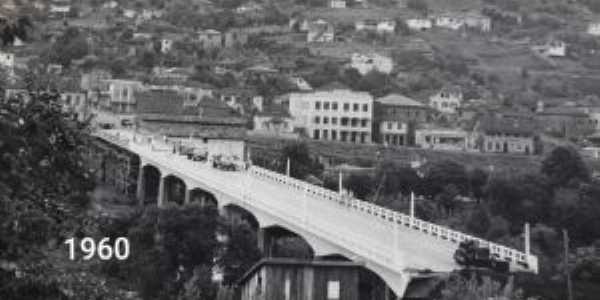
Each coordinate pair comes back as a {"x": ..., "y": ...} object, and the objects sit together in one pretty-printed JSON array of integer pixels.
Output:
[{"x": 385, "y": 214}]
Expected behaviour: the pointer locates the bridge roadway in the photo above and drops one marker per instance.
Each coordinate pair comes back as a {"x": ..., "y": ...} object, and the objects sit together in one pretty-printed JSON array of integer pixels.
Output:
[{"x": 393, "y": 245}]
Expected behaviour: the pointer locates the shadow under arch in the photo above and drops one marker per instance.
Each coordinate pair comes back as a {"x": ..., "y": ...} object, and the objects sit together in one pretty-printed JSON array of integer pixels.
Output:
[
  {"x": 203, "y": 197},
  {"x": 279, "y": 241},
  {"x": 236, "y": 215},
  {"x": 174, "y": 190},
  {"x": 150, "y": 184}
]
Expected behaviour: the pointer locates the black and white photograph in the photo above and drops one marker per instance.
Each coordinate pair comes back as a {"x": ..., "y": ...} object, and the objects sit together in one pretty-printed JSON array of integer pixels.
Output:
[{"x": 299, "y": 149}]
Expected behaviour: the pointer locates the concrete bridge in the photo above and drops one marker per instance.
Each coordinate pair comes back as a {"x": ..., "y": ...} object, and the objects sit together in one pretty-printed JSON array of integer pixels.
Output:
[{"x": 393, "y": 245}]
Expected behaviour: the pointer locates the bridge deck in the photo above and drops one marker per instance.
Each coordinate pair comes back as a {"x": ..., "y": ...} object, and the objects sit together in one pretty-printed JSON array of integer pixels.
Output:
[{"x": 387, "y": 241}]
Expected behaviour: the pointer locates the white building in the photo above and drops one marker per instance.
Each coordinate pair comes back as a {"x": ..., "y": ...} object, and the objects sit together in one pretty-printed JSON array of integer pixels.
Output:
[
  {"x": 365, "y": 63},
  {"x": 380, "y": 27},
  {"x": 442, "y": 139},
  {"x": 455, "y": 21},
  {"x": 447, "y": 100},
  {"x": 449, "y": 21},
  {"x": 553, "y": 48},
  {"x": 419, "y": 24},
  {"x": 76, "y": 103},
  {"x": 121, "y": 95},
  {"x": 333, "y": 113},
  {"x": 337, "y": 3},
  {"x": 274, "y": 122},
  {"x": 7, "y": 62},
  {"x": 166, "y": 45},
  {"x": 594, "y": 28}
]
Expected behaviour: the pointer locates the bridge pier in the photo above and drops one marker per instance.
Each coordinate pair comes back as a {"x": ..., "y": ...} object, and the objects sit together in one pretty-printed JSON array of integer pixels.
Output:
[
  {"x": 188, "y": 193},
  {"x": 140, "y": 194},
  {"x": 161, "y": 191}
]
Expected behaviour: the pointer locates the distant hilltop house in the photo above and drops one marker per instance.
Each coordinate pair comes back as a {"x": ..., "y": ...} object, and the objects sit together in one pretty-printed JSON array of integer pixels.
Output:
[
  {"x": 320, "y": 31},
  {"x": 419, "y": 24},
  {"x": 365, "y": 63},
  {"x": 59, "y": 8},
  {"x": 594, "y": 28},
  {"x": 149, "y": 14},
  {"x": 378, "y": 26},
  {"x": 249, "y": 7},
  {"x": 448, "y": 100},
  {"x": 553, "y": 48},
  {"x": 337, "y": 3},
  {"x": 7, "y": 62},
  {"x": 209, "y": 38},
  {"x": 498, "y": 134},
  {"x": 470, "y": 20},
  {"x": 129, "y": 13}
]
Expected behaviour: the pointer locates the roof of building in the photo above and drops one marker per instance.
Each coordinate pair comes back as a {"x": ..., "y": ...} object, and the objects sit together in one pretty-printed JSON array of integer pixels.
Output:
[
  {"x": 296, "y": 262},
  {"x": 159, "y": 102},
  {"x": 275, "y": 111},
  {"x": 336, "y": 85},
  {"x": 564, "y": 111},
  {"x": 498, "y": 125},
  {"x": 399, "y": 100}
]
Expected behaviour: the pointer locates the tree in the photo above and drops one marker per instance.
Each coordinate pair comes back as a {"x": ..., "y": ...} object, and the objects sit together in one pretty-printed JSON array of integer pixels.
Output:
[
  {"x": 301, "y": 162},
  {"x": 563, "y": 165},
  {"x": 69, "y": 46},
  {"x": 447, "y": 198},
  {"x": 459, "y": 288},
  {"x": 443, "y": 173},
  {"x": 360, "y": 184},
  {"x": 241, "y": 253},
  {"x": 418, "y": 5},
  {"x": 477, "y": 181},
  {"x": 12, "y": 29}
]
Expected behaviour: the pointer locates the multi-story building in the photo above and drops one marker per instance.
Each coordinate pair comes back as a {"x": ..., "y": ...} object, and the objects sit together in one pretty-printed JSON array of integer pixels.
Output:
[
  {"x": 365, "y": 63},
  {"x": 448, "y": 100},
  {"x": 334, "y": 113},
  {"x": 274, "y": 121},
  {"x": 76, "y": 103},
  {"x": 210, "y": 39},
  {"x": 122, "y": 95},
  {"x": 337, "y": 3},
  {"x": 394, "y": 114},
  {"x": 7, "y": 62}
]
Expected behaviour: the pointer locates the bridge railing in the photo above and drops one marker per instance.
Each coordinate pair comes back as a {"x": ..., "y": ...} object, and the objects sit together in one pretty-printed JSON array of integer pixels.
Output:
[{"x": 505, "y": 253}]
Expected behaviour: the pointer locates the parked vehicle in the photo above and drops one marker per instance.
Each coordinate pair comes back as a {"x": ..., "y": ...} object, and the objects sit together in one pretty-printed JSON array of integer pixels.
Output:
[
  {"x": 227, "y": 163},
  {"x": 470, "y": 254},
  {"x": 198, "y": 155}
]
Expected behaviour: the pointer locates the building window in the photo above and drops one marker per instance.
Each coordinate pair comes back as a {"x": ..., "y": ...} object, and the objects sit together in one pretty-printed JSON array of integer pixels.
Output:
[
  {"x": 317, "y": 120},
  {"x": 389, "y": 125},
  {"x": 317, "y": 105},
  {"x": 325, "y": 120},
  {"x": 333, "y": 290},
  {"x": 334, "y": 135},
  {"x": 316, "y": 134},
  {"x": 355, "y": 107},
  {"x": 365, "y": 107},
  {"x": 344, "y": 121},
  {"x": 354, "y": 122},
  {"x": 334, "y": 120},
  {"x": 326, "y": 105},
  {"x": 325, "y": 134},
  {"x": 334, "y": 106},
  {"x": 364, "y": 122},
  {"x": 346, "y": 106}
]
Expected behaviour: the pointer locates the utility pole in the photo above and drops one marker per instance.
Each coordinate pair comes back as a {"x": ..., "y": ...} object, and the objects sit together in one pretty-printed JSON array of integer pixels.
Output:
[{"x": 566, "y": 262}]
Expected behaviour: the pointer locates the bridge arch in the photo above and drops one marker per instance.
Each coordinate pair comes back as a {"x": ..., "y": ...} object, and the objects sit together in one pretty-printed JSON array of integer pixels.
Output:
[
  {"x": 202, "y": 197},
  {"x": 279, "y": 241},
  {"x": 150, "y": 182}
]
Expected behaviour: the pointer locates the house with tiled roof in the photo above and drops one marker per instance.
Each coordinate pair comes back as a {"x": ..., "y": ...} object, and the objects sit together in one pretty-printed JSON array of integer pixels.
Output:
[
  {"x": 500, "y": 134},
  {"x": 564, "y": 121},
  {"x": 274, "y": 121},
  {"x": 320, "y": 31}
]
